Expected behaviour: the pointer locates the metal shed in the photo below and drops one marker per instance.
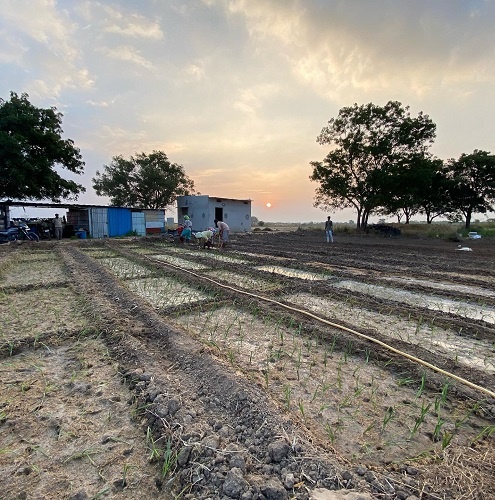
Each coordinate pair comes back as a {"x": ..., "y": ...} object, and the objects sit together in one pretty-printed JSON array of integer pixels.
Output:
[
  {"x": 97, "y": 221},
  {"x": 119, "y": 221},
  {"x": 155, "y": 221}
]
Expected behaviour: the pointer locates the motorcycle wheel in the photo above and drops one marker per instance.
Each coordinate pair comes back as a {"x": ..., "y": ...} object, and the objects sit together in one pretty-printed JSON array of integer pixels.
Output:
[{"x": 33, "y": 236}]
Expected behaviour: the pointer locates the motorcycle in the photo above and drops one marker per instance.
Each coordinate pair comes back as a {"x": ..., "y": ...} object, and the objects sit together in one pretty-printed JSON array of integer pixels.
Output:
[{"x": 20, "y": 232}]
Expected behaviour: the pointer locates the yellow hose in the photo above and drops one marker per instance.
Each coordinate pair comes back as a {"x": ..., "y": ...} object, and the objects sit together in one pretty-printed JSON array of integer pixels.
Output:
[{"x": 344, "y": 328}]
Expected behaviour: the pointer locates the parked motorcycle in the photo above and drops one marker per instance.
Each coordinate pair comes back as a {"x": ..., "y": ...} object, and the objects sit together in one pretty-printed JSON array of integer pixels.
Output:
[{"x": 20, "y": 232}]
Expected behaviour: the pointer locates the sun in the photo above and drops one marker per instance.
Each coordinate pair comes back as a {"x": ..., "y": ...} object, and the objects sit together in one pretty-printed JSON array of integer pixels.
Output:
[{"x": 268, "y": 205}]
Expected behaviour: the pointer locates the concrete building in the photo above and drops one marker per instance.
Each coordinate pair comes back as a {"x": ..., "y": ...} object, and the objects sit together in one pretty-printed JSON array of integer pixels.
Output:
[{"x": 204, "y": 209}]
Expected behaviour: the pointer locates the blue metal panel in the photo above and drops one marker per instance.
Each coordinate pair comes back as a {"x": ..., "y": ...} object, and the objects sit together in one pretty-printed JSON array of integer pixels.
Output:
[
  {"x": 138, "y": 223},
  {"x": 98, "y": 222},
  {"x": 119, "y": 221}
]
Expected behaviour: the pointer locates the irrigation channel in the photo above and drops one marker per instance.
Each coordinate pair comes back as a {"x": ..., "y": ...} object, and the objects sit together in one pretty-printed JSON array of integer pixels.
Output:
[{"x": 285, "y": 367}]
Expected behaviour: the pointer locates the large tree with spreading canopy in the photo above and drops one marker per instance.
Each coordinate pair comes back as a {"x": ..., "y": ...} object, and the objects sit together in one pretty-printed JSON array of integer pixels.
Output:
[
  {"x": 370, "y": 143},
  {"x": 143, "y": 181},
  {"x": 31, "y": 149}
]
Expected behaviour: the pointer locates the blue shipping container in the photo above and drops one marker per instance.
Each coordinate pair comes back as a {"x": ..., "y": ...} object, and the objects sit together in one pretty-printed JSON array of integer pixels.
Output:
[{"x": 119, "y": 221}]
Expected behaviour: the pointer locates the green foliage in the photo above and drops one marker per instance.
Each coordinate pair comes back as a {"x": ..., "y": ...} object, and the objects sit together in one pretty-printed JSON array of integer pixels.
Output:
[
  {"x": 472, "y": 184},
  {"x": 31, "y": 146},
  {"x": 143, "y": 181},
  {"x": 371, "y": 141}
]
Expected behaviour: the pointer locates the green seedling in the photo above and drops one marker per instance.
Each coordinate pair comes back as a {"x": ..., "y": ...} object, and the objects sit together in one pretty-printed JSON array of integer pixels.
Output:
[
  {"x": 169, "y": 460},
  {"x": 127, "y": 468},
  {"x": 315, "y": 393},
  {"x": 422, "y": 386},
  {"x": 446, "y": 439},
  {"x": 437, "y": 405},
  {"x": 473, "y": 409},
  {"x": 485, "y": 433},
  {"x": 367, "y": 353},
  {"x": 331, "y": 433},
  {"x": 332, "y": 346},
  {"x": 389, "y": 413},
  {"x": 83, "y": 454},
  {"x": 437, "y": 430},
  {"x": 155, "y": 452},
  {"x": 445, "y": 389},
  {"x": 301, "y": 408},
  {"x": 425, "y": 408},
  {"x": 404, "y": 381},
  {"x": 369, "y": 428},
  {"x": 345, "y": 402}
]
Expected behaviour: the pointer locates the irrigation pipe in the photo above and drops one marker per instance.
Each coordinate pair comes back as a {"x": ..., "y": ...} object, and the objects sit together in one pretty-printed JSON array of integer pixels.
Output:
[{"x": 344, "y": 328}]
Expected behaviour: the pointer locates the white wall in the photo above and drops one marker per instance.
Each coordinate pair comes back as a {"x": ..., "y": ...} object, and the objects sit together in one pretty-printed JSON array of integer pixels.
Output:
[{"x": 201, "y": 210}]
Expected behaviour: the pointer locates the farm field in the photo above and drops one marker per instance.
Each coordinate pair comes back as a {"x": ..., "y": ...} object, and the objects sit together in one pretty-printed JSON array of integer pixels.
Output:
[{"x": 283, "y": 367}]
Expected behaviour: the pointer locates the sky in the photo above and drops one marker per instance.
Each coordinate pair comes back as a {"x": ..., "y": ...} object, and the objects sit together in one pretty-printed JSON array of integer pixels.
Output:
[{"x": 237, "y": 91}]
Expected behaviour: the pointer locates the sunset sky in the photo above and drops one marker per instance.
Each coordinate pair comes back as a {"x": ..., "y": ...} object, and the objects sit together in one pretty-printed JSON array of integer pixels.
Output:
[{"x": 237, "y": 91}]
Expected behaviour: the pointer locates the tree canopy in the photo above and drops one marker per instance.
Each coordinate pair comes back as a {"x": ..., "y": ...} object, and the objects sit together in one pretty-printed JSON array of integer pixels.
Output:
[
  {"x": 31, "y": 147},
  {"x": 472, "y": 184},
  {"x": 143, "y": 181},
  {"x": 371, "y": 144}
]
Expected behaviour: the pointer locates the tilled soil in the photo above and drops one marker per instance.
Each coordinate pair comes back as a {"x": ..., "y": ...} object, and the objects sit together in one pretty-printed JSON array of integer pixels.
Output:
[{"x": 196, "y": 418}]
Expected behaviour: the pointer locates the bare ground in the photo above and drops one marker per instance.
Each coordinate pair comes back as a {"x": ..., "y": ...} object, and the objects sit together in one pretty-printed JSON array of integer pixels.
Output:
[{"x": 143, "y": 369}]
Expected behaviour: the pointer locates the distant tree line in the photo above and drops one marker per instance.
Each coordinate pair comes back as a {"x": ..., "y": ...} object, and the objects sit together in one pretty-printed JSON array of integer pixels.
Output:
[{"x": 380, "y": 164}]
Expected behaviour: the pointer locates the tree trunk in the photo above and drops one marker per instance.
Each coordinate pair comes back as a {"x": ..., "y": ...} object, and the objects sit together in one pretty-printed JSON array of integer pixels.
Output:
[
  {"x": 359, "y": 211},
  {"x": 468, "y": 215},
  {"x": 364, "y": 219}
]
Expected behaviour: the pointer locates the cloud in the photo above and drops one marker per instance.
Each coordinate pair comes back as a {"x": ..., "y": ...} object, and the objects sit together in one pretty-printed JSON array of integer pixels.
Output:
[
  {"x": 42, "y": 22},
  {"x": 251, "y": 99},
  {"x": 119, "y": 21},
  {"x": 127, "y": 53},
  {"x": 98, "y": 104},
  {"x": 346, "y": 48},
  {"x": 43, "y": 38},
  {"x": 137, "y": 27},
  {"x": 196, "y": 71}
]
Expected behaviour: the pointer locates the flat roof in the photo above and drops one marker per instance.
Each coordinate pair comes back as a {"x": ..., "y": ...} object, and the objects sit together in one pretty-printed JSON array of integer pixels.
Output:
[{"x": 34, "y": 204}]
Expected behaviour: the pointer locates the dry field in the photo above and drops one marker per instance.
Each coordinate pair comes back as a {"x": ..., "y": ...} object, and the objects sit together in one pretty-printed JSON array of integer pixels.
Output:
[{"x": 280, "y": 368}]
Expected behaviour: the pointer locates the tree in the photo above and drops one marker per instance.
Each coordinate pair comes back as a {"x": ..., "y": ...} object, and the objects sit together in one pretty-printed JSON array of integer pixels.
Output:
[
  {"x": 143, "y": 181},
  {"x": 435, "y": 196},
  {"x": 472, "y": 184},
  {"x": 414, "y": 188},
  {"x": 370, "y": 141},
  {"x": 31, "y": 147}
]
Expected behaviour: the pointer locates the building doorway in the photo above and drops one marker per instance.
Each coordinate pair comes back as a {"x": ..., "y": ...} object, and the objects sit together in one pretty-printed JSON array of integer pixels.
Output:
[{"x": 218, "y": 213}]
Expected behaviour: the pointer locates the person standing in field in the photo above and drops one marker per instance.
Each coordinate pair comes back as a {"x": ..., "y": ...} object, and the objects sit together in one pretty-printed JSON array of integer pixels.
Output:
[
  {"x": 223, "y": 232},
  {"x": 329, "y": 230},
  {"x": 58, "y": 227}
]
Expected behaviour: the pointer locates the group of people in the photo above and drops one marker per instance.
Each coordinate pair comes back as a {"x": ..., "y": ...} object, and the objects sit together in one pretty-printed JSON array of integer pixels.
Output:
[{"x": 205, "y": 238}]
